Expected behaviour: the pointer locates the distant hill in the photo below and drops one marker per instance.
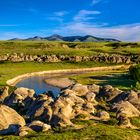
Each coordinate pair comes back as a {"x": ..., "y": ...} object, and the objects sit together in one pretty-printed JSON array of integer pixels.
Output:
[{"x": 55, "y": 37}]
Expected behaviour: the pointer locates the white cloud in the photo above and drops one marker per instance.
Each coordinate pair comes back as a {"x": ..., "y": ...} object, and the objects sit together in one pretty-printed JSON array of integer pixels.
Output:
[
  {"x": 57, "y": 16},
  {"x": 129, "y": 32},
  {"x": 85, "y": 15},
  {"x": 94, "y": 2}
]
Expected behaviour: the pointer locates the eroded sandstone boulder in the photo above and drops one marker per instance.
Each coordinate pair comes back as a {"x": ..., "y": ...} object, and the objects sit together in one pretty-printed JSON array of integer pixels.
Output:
[
  {"x": 24, "y": 92},
  {"x": 80, "y": 90},
  {"x": 109, "y": 93},
  {"x": 39, "y": 126},
  {"x": 41, "y": 108},
  {"x": 134, "y": 98},
  {"x": 125, "y": 107},
  {"x": 68, "y": 106},
  {"x": 94, "y": 88},
  {"x": 10, "y": 120},
  {"x": 20, "y": 99}
]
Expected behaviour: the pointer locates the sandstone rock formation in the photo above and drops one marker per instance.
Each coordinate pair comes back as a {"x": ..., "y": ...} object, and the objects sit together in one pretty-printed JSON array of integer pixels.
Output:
[
  {"x": 39, "y": 126},
  {"x": 114, "y": 58},
  {"x": 21, "y": 99},
  {"x": 125, "y": 107},
  {"x": 10, "y": 120},
  {"x": 42, "y": 112}
]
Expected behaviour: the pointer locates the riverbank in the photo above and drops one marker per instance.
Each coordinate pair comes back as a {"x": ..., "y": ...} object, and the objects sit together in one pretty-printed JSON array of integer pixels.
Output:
[{"x": 14, "y": 81}]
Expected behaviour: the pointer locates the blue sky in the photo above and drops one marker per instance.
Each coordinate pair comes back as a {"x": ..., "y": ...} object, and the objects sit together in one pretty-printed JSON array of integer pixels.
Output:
[{"x": 118, "y": 19}]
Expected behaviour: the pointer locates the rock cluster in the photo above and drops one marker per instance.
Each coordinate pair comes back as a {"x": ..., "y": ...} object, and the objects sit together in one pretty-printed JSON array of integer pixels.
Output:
[
  {"x": 116, "y": 59},
  {"x": 42, "y": 112}
]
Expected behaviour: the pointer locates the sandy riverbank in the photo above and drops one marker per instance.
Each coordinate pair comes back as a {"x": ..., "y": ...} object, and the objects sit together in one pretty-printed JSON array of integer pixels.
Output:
[{"x": 60, "y": 82}]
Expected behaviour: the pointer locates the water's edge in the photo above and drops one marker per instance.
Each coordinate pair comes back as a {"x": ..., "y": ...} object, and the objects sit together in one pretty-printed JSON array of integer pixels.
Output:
[{"x": 14, "y": 81}]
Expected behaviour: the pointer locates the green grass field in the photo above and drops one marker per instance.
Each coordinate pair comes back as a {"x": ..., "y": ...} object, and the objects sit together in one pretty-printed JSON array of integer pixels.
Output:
[
  {"x": 10, "y": 70},
  {"x": 117, "y": 78},
  {"x": 67, "y": 48}
]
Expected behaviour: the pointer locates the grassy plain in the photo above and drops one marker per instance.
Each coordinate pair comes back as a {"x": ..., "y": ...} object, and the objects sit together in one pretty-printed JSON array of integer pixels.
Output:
[{"x": 68, "y": 48}]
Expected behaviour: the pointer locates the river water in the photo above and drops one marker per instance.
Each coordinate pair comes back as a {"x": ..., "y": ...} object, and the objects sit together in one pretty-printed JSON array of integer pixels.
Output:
[{"x": 38, "y": 84}]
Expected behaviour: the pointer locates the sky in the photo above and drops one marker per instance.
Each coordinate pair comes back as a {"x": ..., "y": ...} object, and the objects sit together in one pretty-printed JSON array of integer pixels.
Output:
[{"x": 119, "y": 19}]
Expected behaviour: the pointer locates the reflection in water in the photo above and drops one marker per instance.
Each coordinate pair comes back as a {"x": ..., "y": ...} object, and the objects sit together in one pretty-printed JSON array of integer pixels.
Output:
[{"x": 37, "y": 83}]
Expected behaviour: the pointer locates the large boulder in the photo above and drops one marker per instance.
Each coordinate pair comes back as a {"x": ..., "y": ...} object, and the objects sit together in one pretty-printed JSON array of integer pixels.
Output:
[
  {"x": 62, "y": 111},
  {"x": 35, "y": 126},
  {"x": 24, "y": 92},
  {"x": 10, "y": 120},
  {"x": 94, "y": 88},
  {"x": 125, "y": 107},
  {"x": 134, "y": 98},
  {"x": 68, "y": 106},
  {"x": 39, "y": 126},
  {"x": 20, "y": 94},
  {"x": 21, "y": 97},
  {"x": 109, "y": 93},
  {"x": 80, "y": 90},
  {"x": 41, "y": 108},
  {"x": 90, "y": 96}
]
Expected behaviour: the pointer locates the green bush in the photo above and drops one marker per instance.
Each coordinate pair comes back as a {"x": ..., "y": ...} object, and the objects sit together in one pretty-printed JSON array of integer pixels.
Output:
[{"x": 135, "y": 74}]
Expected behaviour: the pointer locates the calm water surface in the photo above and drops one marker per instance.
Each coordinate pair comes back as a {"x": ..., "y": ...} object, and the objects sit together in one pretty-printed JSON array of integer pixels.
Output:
[{"x": 38, "y": 84}]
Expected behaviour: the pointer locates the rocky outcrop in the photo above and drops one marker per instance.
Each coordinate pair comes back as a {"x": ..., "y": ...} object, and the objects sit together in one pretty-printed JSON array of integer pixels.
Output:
[
  {"x": 124, "y": 107},
  {"x": 109, "y": 93},
  {"x": 134, "y": 98},
  {"x": 42, "y": 112},
  {"x": 41, "y": 109},
  {"x": 20, "y": 99},
  {"x": 80, "y": 90},
  {"x": 10, "y": 120},
  {"x": 124, "y": 111},
  {"x": 65, "y": 108},
  {"x": 35, "y": 126},
  {"x": 39, "y": 126},
  {"x": 105, "y": 58}
]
